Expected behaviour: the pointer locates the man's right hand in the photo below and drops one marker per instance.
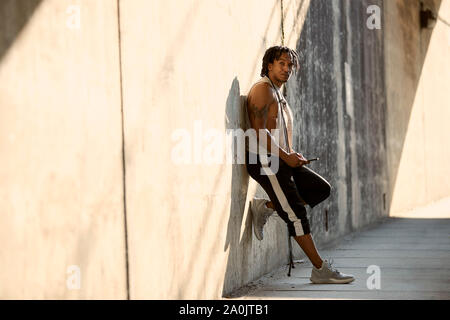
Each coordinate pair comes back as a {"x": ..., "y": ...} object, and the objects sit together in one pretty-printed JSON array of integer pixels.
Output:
[{"x": 295, "y": 159}]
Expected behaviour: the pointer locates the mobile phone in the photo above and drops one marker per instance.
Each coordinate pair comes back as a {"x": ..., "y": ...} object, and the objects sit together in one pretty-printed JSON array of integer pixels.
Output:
[{"x": 313, "y": 159}]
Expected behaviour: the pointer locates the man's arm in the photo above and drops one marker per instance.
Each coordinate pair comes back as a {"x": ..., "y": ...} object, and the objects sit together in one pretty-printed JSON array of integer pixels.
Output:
[{"x": 263, "y": 113}]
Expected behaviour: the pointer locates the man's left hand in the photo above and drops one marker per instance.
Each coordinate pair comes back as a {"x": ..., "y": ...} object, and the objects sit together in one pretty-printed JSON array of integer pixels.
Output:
[{"x": 303, "y": 158}]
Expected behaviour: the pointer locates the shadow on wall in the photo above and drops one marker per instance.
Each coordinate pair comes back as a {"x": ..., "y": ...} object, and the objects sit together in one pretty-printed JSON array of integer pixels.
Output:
[
  {"x": 14, "y": 15},
  {"x": 312, "y": 95},
  {"x": 340, "y": 106},
  {"x": 339, "y": 103},
  {"x": 239, "y": 249}
]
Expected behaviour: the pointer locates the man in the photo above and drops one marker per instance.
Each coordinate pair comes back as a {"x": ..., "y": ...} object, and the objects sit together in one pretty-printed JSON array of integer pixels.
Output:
[{"x": 293, "y": 185}]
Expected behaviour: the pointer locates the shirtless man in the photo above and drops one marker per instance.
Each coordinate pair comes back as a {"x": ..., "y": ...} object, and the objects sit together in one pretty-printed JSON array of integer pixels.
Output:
[{"x": 293, "y": 185}]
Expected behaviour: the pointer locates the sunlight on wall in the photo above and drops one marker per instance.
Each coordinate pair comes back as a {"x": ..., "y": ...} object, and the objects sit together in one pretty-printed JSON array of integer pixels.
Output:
[{"x": 424, "y": 170}]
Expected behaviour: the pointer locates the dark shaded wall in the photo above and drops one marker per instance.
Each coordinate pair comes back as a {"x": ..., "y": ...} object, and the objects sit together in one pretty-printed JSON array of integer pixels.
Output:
[{"x": 339, "y": 110}]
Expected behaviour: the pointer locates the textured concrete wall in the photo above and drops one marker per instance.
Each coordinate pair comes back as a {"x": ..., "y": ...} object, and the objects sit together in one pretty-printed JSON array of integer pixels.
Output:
[
  {"x": 372, "y": 105},
  {"x": 68, "y": 196},
  {"x": 60, "y": 139},
  {"x": 339, "y": 110}
]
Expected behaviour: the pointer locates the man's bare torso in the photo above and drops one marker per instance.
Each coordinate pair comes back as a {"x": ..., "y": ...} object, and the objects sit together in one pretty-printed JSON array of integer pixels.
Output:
[{"x": 270, "y": 112}]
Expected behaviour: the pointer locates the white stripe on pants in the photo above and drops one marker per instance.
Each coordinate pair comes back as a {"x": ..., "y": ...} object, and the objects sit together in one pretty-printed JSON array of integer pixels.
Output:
[{"x": 283, "y": 201}]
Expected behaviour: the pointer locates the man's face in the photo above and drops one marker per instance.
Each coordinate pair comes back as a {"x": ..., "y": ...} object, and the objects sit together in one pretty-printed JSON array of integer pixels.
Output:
[{"x": 282, "y": 68}]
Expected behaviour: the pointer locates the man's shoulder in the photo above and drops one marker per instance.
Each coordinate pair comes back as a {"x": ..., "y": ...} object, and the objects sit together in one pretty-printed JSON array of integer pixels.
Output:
[
  {"x": 261, "y": 90},
  {"x": 261, "y": 85}
]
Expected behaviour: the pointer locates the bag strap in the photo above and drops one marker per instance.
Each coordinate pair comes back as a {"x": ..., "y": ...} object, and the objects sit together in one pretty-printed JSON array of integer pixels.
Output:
[{"x": 282, "y": 115}]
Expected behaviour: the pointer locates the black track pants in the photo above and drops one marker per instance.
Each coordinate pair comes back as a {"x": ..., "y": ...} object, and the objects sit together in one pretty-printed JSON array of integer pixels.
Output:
[{"x": 287, "y": 187}]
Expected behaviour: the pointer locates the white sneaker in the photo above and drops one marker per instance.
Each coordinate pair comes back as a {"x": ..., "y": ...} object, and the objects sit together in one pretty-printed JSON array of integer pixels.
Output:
[
  {"x": 260, "y": 214},
  {"x": 328, "y": 274}
]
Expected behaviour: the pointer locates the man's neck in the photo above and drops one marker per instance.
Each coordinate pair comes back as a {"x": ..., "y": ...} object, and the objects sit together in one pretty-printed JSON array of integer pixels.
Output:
[{"x": 276, "y": 83}]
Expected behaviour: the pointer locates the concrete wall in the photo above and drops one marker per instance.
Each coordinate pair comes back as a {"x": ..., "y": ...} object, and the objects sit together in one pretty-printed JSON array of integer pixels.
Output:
[
  {"x": 338, "y": 98},
  {"x": 417, "y": 78},
  {"x": 106, "y": 131},
  {"x": 184, "y": 71},
  {"x": 61, "y": 184}
]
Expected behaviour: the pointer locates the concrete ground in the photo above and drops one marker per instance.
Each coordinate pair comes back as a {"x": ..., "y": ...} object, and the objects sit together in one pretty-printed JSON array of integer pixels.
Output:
[{"x": 411, "y": 250}]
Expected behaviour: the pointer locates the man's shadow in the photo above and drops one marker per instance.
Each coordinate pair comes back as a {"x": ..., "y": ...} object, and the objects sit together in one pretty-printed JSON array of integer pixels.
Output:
[{"x": 239, "y": 247}]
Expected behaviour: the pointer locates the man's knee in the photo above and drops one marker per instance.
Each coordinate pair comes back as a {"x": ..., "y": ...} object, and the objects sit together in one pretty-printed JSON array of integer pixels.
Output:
[{"x": 326, "y": 190}]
